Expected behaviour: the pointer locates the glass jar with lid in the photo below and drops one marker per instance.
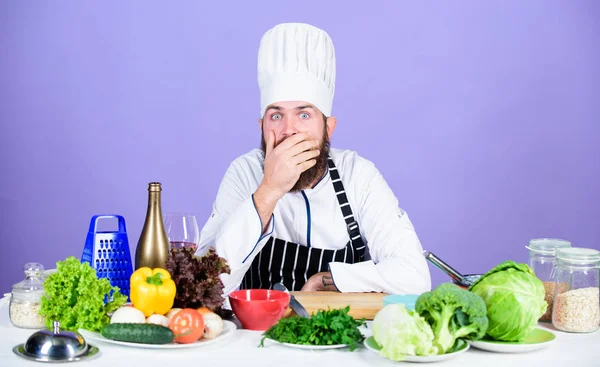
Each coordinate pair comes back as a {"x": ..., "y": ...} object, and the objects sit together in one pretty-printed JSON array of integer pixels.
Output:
[
  {"x": 542, "y": 260},
  {"x": 26, "y": 297},
  {"x": 577, "y": 292}
]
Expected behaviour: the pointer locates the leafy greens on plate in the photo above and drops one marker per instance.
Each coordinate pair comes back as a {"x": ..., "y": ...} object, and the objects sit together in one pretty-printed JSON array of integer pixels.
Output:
[{"x": 326, "y": 327}]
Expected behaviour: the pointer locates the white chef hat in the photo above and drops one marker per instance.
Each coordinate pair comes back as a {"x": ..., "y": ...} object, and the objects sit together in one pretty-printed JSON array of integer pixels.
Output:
[{"x": 296, "y": 62}]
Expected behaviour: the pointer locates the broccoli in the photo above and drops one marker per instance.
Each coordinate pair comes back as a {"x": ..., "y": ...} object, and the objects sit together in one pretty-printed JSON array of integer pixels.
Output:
[{"x": 453, "y": 313}]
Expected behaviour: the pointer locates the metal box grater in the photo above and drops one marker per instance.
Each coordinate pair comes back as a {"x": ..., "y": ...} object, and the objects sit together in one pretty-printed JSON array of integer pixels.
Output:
[{"x": 108, "y": 253}]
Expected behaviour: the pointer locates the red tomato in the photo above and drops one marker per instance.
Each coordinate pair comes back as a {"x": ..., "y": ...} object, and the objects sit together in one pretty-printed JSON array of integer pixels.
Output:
[{"x": 187, "y": 325}]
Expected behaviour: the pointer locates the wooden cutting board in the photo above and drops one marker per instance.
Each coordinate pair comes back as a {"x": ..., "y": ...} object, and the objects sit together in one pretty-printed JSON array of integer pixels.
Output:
[{"x": 362, "y": 305}]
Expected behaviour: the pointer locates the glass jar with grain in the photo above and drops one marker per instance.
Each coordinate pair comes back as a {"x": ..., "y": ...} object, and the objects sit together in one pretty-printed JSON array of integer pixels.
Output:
[
  {"x": 542, "y": 259},
  {"x": 577, "y": 292},
  {"x": 26, "y": 297}
]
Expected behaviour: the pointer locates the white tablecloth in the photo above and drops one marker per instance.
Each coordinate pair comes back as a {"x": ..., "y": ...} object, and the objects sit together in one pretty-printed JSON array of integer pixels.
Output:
[{"x": 576, "y": 350}]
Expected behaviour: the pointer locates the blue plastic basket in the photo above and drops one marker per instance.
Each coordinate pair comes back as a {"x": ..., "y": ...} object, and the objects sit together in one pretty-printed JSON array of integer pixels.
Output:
[{"x": 108, "y": 253}]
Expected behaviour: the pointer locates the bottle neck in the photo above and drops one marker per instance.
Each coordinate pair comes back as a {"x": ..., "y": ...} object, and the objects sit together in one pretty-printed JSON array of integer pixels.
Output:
[{"x": 154, "y": 202}]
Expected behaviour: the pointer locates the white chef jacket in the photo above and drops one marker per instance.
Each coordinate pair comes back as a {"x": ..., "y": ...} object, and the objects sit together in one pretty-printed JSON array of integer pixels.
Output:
[{"x": 395, "y": 264}]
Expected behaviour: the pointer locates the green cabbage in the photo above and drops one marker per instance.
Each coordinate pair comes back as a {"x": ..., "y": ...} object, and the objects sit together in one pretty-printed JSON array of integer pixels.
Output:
[
  {"x": 514, "y": 298},
  {"x": 401, "y": 332}
]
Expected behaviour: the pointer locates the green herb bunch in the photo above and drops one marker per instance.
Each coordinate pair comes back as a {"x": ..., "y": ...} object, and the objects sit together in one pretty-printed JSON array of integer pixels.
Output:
[{"x": 326, "y": 327}]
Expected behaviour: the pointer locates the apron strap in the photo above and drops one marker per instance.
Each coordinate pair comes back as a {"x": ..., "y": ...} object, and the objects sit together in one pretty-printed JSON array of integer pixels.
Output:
[
  {"x": 292, "y": 264},
  {"x": 351, "y": 223}
]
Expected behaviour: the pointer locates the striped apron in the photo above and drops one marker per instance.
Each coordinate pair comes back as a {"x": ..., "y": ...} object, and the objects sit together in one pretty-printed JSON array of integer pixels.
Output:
[{"x": 292, "y": 264}]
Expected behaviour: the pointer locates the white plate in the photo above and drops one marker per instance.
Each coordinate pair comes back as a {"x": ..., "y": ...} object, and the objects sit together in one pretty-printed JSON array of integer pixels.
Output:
[
  {"x": 306, "y": 346},
  {"x": 370, "y": 342},
  {"x": 228, "y": 329},
  {"x": 537, "y": 339}
]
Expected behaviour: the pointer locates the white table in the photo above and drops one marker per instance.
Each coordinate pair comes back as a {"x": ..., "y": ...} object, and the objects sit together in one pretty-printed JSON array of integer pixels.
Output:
[{"x": 576, "y": 350}]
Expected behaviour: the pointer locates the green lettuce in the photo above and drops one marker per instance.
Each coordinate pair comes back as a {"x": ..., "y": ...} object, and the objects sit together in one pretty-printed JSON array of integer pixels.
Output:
[
  {"x": 401, "y": 332},
  {"x": 75, "y": 297},
  {"x": 514, "y": 298}
]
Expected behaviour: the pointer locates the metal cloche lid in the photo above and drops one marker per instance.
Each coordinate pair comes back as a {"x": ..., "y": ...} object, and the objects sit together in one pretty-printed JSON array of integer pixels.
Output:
[{"x": 55, "y": 346}]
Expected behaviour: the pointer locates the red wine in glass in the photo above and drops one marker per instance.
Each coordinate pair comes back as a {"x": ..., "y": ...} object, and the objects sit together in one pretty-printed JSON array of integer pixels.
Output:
[
  {"x": 182, "y": 244},
  {"x": 182, "y": 230}
]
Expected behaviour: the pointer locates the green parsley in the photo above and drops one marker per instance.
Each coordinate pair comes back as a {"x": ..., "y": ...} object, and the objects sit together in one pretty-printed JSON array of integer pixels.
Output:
[{"x": 326, "y": 327}]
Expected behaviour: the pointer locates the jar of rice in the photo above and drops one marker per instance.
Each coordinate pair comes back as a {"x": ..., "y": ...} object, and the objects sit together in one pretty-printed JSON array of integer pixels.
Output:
[
  {"x": 542, "y": 259},
  {"x": 577, "y": 290},
  {"x": 26, "y": 297}
]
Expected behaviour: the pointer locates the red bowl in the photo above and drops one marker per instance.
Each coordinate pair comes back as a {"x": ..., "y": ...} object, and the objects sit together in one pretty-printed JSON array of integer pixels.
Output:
[{"x": 258, "y": 309}]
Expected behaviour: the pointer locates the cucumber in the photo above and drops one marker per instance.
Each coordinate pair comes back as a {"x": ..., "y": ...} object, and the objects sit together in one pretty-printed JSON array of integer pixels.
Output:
[{"x": 138, "y": 333}]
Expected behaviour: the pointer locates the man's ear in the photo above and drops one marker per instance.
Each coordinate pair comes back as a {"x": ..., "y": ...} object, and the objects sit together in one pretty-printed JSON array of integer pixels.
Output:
[{"x": 331, "y": 123}]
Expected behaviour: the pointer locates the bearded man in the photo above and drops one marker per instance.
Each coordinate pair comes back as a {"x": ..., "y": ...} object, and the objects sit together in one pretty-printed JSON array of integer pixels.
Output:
[{"x": 301, "y": 213}]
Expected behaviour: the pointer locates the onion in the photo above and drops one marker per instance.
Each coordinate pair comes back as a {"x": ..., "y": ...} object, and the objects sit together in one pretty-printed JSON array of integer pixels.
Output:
[
  {"x": 172, "y": 313},
  {"x": 128, "y": 315},
  {"x": 213, "y": 325},
  {"x": 158, "y": 320}
]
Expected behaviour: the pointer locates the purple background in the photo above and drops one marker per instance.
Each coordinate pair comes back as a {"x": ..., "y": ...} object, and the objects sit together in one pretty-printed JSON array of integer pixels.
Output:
[{"x": 482, "y": 116}]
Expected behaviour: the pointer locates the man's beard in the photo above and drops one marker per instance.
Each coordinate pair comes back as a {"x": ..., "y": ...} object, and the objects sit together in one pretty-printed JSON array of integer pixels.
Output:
[{"x": 313, "y": 173}]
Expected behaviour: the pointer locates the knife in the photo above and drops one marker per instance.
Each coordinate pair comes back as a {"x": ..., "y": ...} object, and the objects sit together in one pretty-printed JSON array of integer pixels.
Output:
[{"x": 294, "y": 304}]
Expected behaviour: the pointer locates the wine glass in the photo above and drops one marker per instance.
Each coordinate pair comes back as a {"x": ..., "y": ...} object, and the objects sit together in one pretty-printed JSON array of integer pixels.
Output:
[{"x": 182, "y": 230}]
